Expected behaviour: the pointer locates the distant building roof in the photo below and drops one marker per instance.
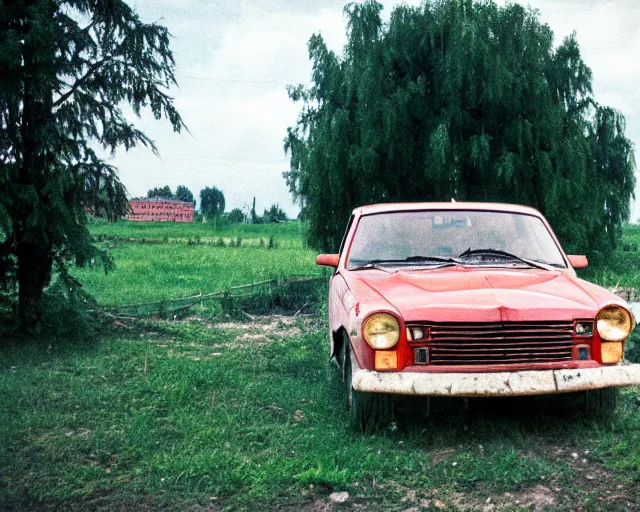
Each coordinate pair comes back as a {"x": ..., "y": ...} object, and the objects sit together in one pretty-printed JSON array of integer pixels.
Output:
[{"x": 158, "y": 200}]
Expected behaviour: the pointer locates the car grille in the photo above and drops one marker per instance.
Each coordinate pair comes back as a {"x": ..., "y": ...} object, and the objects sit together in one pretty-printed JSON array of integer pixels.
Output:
[{"x": 495, "y": 344}]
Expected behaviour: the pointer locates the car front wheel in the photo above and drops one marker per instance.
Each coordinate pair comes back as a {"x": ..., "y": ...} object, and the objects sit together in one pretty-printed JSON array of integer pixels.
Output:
[
  {"x": 602, "y": 401},
  {"x": 368, "y": 411}
]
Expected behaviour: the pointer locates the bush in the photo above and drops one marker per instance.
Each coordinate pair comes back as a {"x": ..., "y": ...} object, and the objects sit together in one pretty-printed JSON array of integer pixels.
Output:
[
  {"x": 66, "y": 317},
  {"x": 274, "y": 214},
  {"x": 236, "y": 216},
  {"x": 306, "y": 296},
  {"x": 632, "y": 352},
  {"x": 218, "y": 222}
]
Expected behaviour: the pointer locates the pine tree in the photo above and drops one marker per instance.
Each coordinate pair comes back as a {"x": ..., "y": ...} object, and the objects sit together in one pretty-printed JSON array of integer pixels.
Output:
[
  {"x": 460, "y": 99},
  {"x": 106, "y": 196},
  {"x": 66, "y": 68},
  {"x": 254, "y": 215}
]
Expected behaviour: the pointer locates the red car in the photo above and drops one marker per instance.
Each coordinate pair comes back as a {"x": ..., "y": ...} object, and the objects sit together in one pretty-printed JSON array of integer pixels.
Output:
[{"x": 467, "y": 299}]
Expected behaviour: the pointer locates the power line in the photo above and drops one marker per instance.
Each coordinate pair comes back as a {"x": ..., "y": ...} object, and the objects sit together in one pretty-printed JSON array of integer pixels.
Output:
[
  {"x": 181, "y": 158},
  {"x": 233, "y": 81}
]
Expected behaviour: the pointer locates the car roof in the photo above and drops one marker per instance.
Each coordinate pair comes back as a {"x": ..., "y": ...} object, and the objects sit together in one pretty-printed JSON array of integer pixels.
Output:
[{"x": 406, "y": 207}]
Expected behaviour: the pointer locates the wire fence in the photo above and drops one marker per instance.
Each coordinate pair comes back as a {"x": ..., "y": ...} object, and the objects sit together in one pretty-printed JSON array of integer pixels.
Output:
[{"x": 284, "y": 293}]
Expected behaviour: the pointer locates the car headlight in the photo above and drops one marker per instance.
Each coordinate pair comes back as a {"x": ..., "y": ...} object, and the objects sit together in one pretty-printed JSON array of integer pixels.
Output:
[
  {"x": 614, "y": 323},
  {"x": 381, "y": 331}
]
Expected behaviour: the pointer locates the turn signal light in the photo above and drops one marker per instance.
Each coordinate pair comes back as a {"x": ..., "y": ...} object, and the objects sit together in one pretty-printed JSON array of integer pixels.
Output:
[
  {"x": 611, "y": 352},
  {"x": 386, "y": 360}
]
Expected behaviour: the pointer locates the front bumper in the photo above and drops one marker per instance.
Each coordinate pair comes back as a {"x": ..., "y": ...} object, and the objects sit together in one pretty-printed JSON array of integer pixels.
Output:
[{"x": 516, "y": 383}]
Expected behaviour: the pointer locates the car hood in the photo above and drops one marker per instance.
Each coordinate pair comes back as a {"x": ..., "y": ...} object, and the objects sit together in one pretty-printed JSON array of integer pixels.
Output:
[{"x": 462, "y": 294}]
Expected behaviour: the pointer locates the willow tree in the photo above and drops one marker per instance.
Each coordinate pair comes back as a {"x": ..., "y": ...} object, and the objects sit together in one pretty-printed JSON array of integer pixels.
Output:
[
  {"x": 212, "y": 202},
  {"x": 67, "y": 68},
  {"x": 458, "y": 99}
]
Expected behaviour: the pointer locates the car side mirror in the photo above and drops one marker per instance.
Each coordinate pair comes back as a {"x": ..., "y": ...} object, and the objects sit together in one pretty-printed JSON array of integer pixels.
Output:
[
  {"x": 578, "y": 261},
  {"x": 328, "y": 260}
]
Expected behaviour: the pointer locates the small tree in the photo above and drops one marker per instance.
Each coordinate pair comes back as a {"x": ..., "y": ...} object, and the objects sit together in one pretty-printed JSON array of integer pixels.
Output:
[
  {"x": 66, "y": 69},
  {"x": 211, "y": 202},
  {"x": 184, "y": 194},
  {"x": 161, "y": 193},
  {"x": 236, "y": 216},
  {"x": 254, "y": 215},
  {"x": 274, "y": 214}
]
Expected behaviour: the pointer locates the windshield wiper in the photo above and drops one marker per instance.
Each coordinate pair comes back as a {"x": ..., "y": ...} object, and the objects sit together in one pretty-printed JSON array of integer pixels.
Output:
[
  {"x": 411, "y": 259},
  {"x": 371, "y": 264},
  {"x": 431, "y": 258},
  {"x": 505, "y": 255}
]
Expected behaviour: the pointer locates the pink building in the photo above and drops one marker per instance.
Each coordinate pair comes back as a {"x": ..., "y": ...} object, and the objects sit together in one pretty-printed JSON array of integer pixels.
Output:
[{"x": 160, "y": 210}]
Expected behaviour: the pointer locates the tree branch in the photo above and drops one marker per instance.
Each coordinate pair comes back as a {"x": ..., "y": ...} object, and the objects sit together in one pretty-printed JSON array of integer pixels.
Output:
[
  {"x": 93, "y": 23},
  {"x": 92, "y": 69}
]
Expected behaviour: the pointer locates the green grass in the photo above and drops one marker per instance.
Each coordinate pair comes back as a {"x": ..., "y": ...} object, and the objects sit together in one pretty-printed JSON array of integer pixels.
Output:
[
  {"x": 151, "y": 272},
  {"x": 155, "y": 271},
  {"x": 198, "y": 415},
  {"x": 287, "y": 234},
  {"x": 242, "y": 418}
]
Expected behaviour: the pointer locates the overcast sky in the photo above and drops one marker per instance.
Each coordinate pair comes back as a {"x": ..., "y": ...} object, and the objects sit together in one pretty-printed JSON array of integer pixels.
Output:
[{"x": 234, "y": 60}]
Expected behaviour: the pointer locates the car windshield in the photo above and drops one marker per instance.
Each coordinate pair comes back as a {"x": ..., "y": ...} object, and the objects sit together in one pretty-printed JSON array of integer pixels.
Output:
[{"x": 437, "y": 237}]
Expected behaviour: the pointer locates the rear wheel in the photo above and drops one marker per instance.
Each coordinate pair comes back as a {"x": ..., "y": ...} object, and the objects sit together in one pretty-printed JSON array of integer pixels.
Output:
[{"x": 368, "y": 411}]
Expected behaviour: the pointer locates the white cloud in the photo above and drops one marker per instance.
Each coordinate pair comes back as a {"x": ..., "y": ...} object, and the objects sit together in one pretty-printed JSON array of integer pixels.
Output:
[{"x": 234, "y": 101}]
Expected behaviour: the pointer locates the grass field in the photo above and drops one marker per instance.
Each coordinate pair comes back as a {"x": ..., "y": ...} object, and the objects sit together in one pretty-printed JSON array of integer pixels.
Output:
[
  {"x": 184, "y": 259},
  {"x": 239, "y": 416},
  {"x": 288, "y": 234},
  {"x": 215, "y": 414}
]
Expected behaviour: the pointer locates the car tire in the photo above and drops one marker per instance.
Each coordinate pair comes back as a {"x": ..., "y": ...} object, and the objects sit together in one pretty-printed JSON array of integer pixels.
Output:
[
  {"x": 602, "y": 401},
  {"x": 368, "y": 411}
]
